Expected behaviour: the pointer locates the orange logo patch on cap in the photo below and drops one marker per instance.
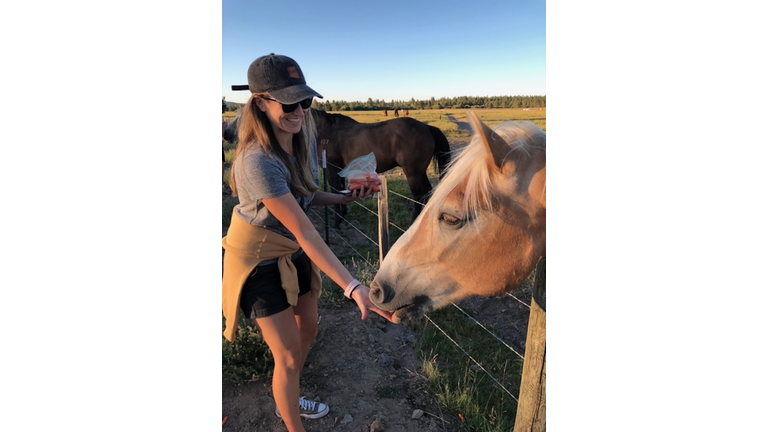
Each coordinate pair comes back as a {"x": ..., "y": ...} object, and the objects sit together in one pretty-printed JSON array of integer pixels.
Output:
[{"x": 293, "y": 73}]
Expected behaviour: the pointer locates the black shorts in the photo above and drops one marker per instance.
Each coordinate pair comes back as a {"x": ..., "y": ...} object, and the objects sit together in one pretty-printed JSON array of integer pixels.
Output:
[{"x": 263, "y": 294}]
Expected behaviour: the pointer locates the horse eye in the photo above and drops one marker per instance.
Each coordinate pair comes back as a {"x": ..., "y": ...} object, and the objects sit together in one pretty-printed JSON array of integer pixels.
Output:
[{"x": 450, "y": 220}]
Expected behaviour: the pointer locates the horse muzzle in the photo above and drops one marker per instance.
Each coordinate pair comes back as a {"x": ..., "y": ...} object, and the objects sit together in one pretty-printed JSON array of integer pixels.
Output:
[
  {"x": 385, "y": 297},
  {"x": 381, "y": 294}
]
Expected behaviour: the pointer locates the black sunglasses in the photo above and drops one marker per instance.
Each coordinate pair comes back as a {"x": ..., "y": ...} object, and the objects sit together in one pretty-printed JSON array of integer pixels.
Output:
[{"x": 289, "y": 108}]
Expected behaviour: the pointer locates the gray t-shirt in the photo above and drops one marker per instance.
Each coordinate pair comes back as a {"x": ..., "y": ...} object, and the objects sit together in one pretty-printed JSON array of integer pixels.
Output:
[{"x": 260, "y": 176}]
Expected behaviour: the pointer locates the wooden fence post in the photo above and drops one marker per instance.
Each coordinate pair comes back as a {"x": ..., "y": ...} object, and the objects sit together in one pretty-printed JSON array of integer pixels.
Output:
[
  {"x": 532, "y": 404},
  {"x": 325, "y": 189},
  {"x": 383, "y": 221}
]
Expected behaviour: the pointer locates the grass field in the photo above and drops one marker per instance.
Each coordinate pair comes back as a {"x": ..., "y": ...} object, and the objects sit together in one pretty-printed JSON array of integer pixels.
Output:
[{"x": 440, "y": 118}]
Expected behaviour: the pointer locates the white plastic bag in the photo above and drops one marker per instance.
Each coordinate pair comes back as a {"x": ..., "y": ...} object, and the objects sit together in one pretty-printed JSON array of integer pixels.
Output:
[
  {"x": 361, "y": 172},
  {"x": 359, "y": 167}
]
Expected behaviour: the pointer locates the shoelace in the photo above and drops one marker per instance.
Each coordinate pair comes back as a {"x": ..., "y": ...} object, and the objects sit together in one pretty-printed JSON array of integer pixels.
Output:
[{"x": 307, "y": 405}]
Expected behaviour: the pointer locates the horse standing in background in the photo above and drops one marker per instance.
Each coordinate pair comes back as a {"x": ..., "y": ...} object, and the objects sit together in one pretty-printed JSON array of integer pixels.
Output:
[
  {"x": 230, "y": 131},
  {"x": 404, "y": 142}
]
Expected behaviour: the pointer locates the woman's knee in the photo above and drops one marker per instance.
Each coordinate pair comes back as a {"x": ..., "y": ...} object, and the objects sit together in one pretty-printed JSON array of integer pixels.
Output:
[
  {"x": 309, "y": 331},
  {"x": 290, "y": 360}
]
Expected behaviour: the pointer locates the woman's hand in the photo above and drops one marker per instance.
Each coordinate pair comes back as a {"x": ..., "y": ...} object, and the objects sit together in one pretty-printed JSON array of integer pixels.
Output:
[
  {"x": 357, "y": 194},
  {"x": 360, "y": 296}
]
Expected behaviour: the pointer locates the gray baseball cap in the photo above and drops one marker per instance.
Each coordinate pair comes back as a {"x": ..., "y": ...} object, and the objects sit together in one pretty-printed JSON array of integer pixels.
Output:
[{"x": 281, "y": 77}]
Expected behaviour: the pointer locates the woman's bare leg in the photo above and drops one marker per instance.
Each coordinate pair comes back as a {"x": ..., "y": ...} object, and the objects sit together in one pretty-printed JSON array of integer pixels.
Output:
[
  {"x": 281, "y": 333},
  {"x": 305, "y": 314}
]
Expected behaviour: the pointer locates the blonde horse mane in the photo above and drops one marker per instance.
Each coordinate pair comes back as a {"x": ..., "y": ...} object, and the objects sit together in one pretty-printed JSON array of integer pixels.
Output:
[{"x": 468, "y": 165}]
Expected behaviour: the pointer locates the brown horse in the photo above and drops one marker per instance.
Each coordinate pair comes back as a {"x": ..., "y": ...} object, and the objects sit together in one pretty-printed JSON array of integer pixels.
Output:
[
  {"x": 404, "y": 142},
  {"x": 481, "y": 233}
]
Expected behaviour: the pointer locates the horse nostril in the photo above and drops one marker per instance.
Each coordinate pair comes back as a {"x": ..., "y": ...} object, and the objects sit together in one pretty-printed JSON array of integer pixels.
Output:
[
  {"x": 381, "y": 293},
  {"x": 375, "y": 294}
]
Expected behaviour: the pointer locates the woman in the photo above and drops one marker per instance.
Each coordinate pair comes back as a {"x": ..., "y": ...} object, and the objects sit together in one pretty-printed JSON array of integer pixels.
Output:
[{"x": 273, "y": 253}]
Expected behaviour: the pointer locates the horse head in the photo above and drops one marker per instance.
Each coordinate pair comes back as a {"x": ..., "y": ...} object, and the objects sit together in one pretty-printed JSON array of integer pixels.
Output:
[
  {"x": 230, "y": 132},
  {"x": 481, "y": 233}
]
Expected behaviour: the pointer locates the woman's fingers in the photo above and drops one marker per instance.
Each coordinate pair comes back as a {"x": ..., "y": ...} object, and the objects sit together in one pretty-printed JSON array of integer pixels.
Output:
[
  {"x": 389, "y": 316},
  {"x": 360, "y": 295}
]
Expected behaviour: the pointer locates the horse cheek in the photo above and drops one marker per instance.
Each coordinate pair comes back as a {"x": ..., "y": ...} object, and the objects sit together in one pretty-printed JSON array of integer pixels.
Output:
[{"x": 538, "y": 187}]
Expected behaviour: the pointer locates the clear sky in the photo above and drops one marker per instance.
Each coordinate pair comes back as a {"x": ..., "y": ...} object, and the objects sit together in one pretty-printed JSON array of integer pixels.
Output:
[{"x": 392, "y": 49}]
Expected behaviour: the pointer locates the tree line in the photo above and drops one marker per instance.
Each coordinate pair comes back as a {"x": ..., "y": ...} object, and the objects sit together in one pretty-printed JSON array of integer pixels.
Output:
[{"x": 461, "y": 102}]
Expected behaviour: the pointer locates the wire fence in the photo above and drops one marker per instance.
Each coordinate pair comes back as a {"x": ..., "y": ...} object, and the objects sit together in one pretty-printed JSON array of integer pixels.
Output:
[{"x": 515, "y": 299}]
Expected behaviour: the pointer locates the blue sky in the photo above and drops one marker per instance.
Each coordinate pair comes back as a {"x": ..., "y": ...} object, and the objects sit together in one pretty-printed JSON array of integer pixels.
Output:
[{"x": 393, "y": 49}]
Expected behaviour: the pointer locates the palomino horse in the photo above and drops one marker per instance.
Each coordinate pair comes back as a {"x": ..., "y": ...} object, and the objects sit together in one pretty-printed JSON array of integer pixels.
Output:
[
  {"x": 404, "y": 142},
  {"x": 481, "y": 233}
]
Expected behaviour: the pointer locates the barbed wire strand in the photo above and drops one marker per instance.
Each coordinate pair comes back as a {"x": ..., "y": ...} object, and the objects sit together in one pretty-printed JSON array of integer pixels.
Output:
[
  {"x": 472, "y": 358},
  {"x": 347, "y": 243},
  {"x": 401, "y": 230},
  {"x": 521, "y": 302},
  {"x": 349, "y": 223},
  {"x": 488, "y": 331},
  {"x": 356, "y": 229},
  {"x": 366, "y": 208},
  {"x": 405, "y": 197}
]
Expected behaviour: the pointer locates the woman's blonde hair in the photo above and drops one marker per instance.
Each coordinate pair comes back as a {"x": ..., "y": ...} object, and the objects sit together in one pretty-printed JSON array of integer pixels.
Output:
[{"x": 254, "y": 128}]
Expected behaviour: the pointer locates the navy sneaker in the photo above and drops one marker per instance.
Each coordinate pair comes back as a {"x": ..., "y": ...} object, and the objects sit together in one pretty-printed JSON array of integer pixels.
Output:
[{"x": 309, "y": 409}]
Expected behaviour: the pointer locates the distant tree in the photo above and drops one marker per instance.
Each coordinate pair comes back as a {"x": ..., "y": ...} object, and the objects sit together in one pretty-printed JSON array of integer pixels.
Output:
[{"x": 461, "y": 102}]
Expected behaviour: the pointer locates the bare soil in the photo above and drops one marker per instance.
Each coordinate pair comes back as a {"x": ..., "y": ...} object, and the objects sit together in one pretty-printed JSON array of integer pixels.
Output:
[{"x": 368, "y": 372}]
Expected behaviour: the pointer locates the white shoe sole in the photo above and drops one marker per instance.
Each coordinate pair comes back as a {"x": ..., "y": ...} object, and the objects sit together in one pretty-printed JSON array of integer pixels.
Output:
[{"x": 315, "y": 416}]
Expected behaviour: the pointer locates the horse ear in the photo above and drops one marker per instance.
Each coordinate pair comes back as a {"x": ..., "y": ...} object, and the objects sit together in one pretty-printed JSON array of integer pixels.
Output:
[{"x": 498, "y": 149}]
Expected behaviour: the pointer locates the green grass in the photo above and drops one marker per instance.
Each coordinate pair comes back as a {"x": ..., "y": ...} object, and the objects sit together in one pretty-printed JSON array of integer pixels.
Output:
[
  {"x": 229, "y": 156},
  {"x": 332, "y": 296},
  {"x": 439, "y": 118},
  {"x": 457, "y": 382},
  {"x": 227, "y": 205},
  {"x": 247, "y": 358}
]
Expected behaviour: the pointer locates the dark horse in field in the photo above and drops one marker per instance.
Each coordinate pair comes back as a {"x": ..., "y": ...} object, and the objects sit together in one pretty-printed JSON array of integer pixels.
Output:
[{"x": 404, "y": 142}]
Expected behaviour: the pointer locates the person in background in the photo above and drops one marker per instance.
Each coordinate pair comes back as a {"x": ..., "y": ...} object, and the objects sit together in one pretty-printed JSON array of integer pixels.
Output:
[{"x": 273, "y": 253}]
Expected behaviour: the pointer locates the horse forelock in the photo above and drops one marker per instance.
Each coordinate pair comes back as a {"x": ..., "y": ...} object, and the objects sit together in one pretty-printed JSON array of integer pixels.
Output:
[{"x": 476, "y": 179}]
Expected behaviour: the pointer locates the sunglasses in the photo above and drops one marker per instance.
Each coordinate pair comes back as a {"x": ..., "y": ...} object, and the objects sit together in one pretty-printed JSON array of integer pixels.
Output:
[{"x": 289, "y": 108}]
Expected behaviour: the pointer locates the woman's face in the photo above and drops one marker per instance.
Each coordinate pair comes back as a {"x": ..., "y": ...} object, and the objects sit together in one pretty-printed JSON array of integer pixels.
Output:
[{"x": 282, "y": 122}]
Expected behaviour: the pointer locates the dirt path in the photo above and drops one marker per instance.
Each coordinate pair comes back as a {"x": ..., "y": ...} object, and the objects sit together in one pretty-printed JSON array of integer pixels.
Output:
[
  {"x": 464, "y": 126},
  {"x": 368, "y": 373}
]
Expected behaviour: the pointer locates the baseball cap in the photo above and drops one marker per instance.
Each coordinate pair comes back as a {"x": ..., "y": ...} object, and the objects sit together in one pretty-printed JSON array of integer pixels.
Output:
[{"x": 280, "y": 76}]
